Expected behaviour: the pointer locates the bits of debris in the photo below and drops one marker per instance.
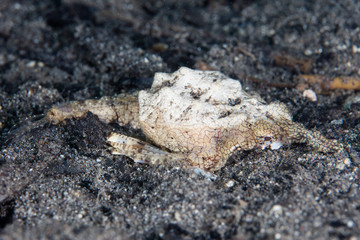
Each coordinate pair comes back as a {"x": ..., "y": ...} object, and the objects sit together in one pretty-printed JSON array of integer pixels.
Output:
[
  {"x": 292, "y": 63},
  {"x": 325, "y": 83}
]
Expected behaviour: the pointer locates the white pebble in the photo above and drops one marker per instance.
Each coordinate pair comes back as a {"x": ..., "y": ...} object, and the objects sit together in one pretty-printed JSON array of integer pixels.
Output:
[
  {"x": 347, "y": 162},
  {"x": 230, "y": 184},
  {"x": 310, "y": 94},
  {"x": 277, "y": 210}
]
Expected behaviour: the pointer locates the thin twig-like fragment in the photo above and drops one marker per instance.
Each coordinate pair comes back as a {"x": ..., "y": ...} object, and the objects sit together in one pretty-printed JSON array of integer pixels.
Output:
[
  {"x": 295, "y": 64},
  {"x": 325, "y": 83}
]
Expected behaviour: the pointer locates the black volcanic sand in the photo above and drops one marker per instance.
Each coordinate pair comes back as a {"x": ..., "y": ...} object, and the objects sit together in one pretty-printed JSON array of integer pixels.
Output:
[{"x": 61, "y": 182}]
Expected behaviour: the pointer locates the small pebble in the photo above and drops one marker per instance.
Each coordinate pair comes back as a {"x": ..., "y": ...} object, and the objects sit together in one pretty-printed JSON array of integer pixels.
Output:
[
  {"x": 31, "y": 64},
  {"x": 350, "y": 224},
  {"x": 230, "y": 184},
  {"x": 277, "y": 210},
  {"x": 347, "y": 162},
  {"x": 337, "y": 121},
  {"x": 355, "y": 49},
  {"x": 310, "y": 94},
  {"x": 340, "y": 166}
]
